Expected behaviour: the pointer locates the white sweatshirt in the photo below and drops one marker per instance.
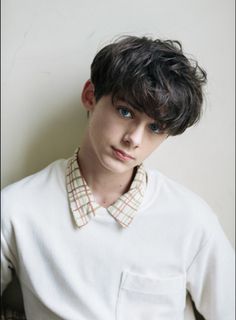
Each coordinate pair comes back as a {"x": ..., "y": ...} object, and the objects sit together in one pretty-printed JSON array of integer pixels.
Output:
[{"x": 103, "y": 271}]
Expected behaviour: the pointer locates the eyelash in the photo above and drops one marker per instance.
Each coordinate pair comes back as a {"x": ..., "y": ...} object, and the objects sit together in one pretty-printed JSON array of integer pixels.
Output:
[
  {"x": 155, "y": 132},
  {"x": 121, "y": 109}
]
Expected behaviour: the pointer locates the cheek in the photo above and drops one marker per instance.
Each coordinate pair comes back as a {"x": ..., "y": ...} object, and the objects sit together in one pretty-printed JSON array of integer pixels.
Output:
[
  {"x": 96, "y": 125},
  {"x": 152, "y": 145},
  {"x": 105, "y": 128}
]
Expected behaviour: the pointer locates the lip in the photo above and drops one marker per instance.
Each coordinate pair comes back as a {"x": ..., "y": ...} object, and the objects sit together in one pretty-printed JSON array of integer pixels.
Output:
[{"x": 121, "y": 155}]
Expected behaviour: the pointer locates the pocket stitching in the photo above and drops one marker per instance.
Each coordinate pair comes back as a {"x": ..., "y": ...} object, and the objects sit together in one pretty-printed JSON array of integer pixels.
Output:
[{"x": 152, "y": 284}]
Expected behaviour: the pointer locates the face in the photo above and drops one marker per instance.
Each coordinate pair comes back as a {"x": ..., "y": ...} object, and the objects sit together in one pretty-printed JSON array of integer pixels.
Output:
[{"x": 118, "y": 136}]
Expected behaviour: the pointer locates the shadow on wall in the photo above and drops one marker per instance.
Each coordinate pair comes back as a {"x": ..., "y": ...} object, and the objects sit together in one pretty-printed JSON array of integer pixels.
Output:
[{"x": 56, "y": 138}]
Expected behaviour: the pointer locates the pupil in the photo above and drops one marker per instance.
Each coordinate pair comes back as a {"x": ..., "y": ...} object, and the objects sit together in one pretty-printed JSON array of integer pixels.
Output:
[{"x": 154, "y": 127}]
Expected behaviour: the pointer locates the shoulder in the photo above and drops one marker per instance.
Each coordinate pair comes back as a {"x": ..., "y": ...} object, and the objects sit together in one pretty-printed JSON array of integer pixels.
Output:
[
  {"x": 38, "y": 179},
  {"x": 20, "y": 194},
  {"x": 180, "y": 203},
  {"x": 161, "y": 185}
]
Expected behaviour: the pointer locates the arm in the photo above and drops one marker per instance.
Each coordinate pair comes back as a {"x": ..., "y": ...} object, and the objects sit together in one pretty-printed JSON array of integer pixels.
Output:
[
  {"x": 6, "y": 264},
  {"x": 210, "y": 278},
  {"x": 11, "y": 296}
]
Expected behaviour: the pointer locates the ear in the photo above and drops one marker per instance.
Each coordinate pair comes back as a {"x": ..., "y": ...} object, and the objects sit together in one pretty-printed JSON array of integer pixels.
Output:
[{"x": 87, "y": 96}]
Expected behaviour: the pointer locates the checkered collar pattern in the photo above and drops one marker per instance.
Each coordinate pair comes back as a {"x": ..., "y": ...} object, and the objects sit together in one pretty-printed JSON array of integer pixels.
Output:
[{"x": 83, "y": 205}]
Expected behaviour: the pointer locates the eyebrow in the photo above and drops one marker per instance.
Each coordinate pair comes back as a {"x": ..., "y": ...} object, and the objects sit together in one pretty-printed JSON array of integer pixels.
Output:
[{"x": 127, "y": 104}]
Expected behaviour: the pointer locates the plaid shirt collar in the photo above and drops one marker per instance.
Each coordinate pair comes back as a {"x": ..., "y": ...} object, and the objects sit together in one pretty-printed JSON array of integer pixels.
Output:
[{"x": 83, "y": 205}]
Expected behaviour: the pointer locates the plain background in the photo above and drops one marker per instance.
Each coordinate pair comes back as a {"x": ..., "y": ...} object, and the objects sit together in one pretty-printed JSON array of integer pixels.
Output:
[{"x": 47, "y": 49}]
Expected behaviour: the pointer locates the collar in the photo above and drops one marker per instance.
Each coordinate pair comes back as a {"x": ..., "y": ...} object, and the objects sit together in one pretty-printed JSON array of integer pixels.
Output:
[{"x": 83, "y": 205}]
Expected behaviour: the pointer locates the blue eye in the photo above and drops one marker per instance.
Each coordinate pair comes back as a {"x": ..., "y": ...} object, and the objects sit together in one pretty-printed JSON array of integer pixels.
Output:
[
  {"x": 154, "y": 128},
  {"x": 124, "y": 112}
]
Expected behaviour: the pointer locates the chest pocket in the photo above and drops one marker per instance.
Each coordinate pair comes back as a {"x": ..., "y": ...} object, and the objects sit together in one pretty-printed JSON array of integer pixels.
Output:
[{"x": 142, "y": 298}]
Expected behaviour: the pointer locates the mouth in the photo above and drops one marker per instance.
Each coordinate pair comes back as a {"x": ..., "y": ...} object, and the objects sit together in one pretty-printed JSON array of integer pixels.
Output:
[{"x": 121, "y": 155}]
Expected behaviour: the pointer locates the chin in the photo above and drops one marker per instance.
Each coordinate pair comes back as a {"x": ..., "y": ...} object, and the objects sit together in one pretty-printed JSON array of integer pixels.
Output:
[{"x": 118, "y": 167}]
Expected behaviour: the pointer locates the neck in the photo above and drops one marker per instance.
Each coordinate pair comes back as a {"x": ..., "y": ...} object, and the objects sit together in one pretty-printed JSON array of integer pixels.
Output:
[{"x": 105, "y": 185}]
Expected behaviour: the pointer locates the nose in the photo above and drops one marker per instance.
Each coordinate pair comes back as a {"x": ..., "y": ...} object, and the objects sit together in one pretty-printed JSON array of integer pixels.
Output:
[{"x": 134, "y": 136}]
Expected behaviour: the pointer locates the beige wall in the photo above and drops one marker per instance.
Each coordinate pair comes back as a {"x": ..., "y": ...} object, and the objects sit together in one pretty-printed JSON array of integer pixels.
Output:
[{"x": 47, "y": 48}]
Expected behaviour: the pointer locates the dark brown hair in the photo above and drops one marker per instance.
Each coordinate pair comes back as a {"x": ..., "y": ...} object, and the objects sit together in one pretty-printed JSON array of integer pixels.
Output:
[{"x": 153, "y": 76}]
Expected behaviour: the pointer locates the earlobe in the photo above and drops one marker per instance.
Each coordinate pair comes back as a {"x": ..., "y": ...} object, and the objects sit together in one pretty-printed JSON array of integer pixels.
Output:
[{"x": 87, "y": 96}]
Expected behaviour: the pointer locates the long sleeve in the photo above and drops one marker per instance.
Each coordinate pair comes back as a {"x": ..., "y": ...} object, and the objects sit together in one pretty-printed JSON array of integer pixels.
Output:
[
  {"x": 8, "y": 243},
  {"x": 211, "y": 278},
  {"x": 6, "y": 264}
]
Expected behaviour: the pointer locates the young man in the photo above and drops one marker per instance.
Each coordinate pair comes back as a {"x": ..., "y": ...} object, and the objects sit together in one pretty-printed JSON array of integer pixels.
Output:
[{"x": 98, "y": 236}]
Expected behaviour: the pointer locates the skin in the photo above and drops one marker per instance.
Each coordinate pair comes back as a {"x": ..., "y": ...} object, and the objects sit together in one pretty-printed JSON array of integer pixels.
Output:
[{"x": 111, "y": 126}]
